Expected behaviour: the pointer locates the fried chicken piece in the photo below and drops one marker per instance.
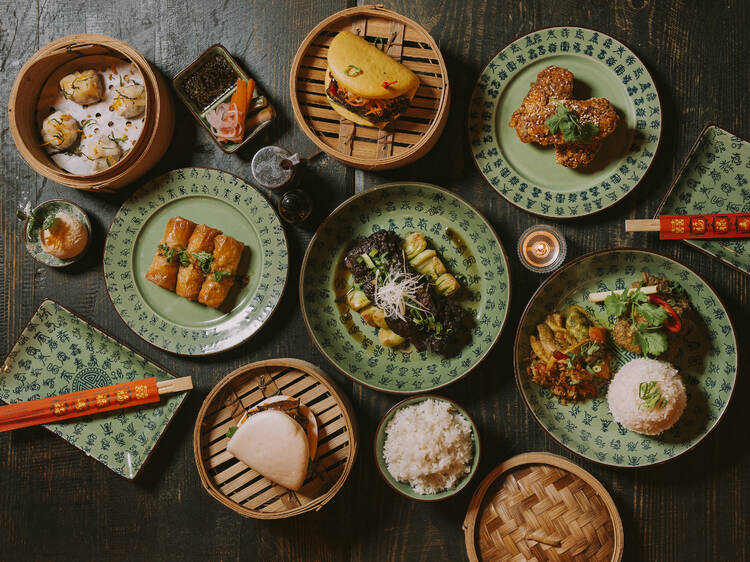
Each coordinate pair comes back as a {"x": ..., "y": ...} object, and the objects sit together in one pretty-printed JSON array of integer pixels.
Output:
[
  {"x": 555, "y": 85},
  {"x": 529, "y": 119},
  {"x": 574, "y": 154}
]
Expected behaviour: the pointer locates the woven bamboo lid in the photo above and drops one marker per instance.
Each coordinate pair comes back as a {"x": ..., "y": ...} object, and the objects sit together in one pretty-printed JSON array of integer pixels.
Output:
[
  {"x": 242, "y": 489},
  {"x": 414, "y": 133},
  {"x": 538, "y": 506}
]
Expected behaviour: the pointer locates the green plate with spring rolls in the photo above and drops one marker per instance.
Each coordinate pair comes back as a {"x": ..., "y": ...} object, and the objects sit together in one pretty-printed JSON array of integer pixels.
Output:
[
  {"x": 463, "y": 240},
  {"x": 160, "y": 316}
]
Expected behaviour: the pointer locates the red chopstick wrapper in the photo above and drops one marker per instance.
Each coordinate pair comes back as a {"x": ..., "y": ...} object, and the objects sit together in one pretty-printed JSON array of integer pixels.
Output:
[
  {"x": 76, "y": 404},
  {"x": 730, "y": 225}
]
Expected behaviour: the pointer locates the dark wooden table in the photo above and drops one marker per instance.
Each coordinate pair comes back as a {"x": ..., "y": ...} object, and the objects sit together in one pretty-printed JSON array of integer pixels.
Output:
[{"x": 57, "y": 503}]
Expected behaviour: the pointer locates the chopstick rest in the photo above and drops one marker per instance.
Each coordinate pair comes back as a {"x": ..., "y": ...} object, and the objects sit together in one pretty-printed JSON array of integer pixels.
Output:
[
  {"x": 88, "y": 402},
  {"x": 680, "y": 227}
]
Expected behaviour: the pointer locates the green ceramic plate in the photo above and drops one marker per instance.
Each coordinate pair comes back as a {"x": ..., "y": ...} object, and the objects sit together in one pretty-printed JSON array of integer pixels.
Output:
[
  {"x": 59, "y": 352},
  {"x": 404, "y": 488},
  {"x": 714, "y": 179},
  {"x": 350, "y": 344},
  {"x": 220, "y": 200},
  {"x": 527, "y": 175},
  {"x": 32, "y": 231},
  {"x": 708, "y": 365}
]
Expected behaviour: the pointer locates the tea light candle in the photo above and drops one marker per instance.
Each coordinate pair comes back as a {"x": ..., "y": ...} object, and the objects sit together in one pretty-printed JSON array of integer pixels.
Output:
[{"x": 542, "y": 249}]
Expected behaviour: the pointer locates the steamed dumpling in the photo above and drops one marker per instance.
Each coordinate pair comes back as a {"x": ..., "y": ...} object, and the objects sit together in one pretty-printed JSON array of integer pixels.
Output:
[
  {"x": 84, "y": 87},
  {"x": 103, "y": 152},
  {"x": 60, "y": 130},
  {"x": 130, "y": 100}
]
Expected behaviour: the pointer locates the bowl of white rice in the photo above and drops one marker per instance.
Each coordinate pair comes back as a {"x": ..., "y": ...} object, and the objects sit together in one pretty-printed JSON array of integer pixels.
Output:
[{"x": 427, "y": 447}]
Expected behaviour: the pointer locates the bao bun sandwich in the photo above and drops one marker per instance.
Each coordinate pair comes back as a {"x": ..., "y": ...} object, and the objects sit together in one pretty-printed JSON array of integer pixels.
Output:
[
  {"x": 365, "y": 85},
  {"x": 278, "y": 439}
]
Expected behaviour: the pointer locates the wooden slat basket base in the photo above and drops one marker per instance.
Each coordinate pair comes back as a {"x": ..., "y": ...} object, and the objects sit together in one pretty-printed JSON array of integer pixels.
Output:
[
  {"x": 414, "y": 133},
  {"x": 242, "y": 489},
  {"x": 538, "y": 506}
]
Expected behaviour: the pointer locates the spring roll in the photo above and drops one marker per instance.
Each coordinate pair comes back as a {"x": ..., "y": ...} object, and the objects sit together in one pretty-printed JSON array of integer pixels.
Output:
[
  {"x": 166, "y": 263},
  {"x": 227, "y": 254},
  {"x": 190, "y": 278}
]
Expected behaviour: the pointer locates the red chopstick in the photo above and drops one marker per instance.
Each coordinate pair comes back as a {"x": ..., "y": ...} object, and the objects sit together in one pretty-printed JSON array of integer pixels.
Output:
[{"x": 88, "y": 402}]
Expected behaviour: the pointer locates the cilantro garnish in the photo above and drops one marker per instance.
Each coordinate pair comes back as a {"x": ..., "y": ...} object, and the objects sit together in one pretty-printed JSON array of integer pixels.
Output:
[
  {"x": 220, "y": 275},
  {"x": 567, "y": 122}
]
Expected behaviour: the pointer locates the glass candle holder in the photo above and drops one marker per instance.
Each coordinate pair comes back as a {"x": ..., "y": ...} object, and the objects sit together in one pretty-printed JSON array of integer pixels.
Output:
[{"x": 542, "y": 248}]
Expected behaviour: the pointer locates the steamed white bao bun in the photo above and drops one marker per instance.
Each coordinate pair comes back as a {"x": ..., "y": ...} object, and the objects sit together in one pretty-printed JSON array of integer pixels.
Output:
[
  {"x": 103, "y": 151},
  {"x": 83, "y": 87},
  {"x": 130, "y": 100},
  {"x": 60, "y": 130}
]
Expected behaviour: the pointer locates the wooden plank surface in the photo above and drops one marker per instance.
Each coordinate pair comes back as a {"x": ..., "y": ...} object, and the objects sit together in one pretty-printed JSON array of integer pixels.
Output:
[{"x": 56, "y": 503}]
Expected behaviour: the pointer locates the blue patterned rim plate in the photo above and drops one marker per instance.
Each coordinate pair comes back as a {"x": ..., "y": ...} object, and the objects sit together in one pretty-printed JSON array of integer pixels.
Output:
[
  {"x": 220, "y": 200},
  {"x": 474, "y": 251},
  {"x": 526, "y": 175},
  {"x": 708, "y": 363},
  {"x": 714, "y": 179},
  {"x": 59, "y": 352}
]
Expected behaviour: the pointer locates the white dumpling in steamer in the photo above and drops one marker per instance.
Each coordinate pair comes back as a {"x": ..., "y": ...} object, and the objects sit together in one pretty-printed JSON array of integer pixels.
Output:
[
  {"x": 103, "y": 151},
  {"x": 60, "y": 130},
  {"x": 130, "y": 100},
  {"x": 83, "y": 87}
]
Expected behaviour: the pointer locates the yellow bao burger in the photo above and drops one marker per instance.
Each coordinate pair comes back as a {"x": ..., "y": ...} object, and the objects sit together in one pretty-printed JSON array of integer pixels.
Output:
[{"x": 365, "y": 85}]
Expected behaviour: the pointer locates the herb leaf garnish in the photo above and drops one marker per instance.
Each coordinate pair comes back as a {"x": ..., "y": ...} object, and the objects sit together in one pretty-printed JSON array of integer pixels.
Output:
[
  {"x": 352, "y": 70},
  {"x": 567, "y": 122},
  {"x": 204, "y": 260},
  {"x": 50, "y": 223},
  {"x": 232, "y": 430},
  {"x": 167, "y": 252},
  {"x": 650, "y": 393},
  {"x": 652, "y": 341},
  {"x": 220, "y": 275},
  {"x": 648, "y": 335}
]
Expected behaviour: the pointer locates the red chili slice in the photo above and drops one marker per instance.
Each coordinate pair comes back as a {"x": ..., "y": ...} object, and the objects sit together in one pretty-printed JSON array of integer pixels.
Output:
[
  {"x": 674, "y": 324},
  {"x": 559, "y": 355},
  {"x": 386, "y": 84}
]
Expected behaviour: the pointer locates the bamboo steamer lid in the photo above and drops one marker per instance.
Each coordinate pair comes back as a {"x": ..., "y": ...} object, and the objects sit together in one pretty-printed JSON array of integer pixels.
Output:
[
  {"x": 404, "y": 141},
  {"x": 242, "y": 489},
  {"x": 158, "y": 122},
  {"x": 539, "y": 506}
]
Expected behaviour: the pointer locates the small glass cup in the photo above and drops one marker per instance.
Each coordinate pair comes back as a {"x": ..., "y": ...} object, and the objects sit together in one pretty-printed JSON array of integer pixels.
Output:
[
  {"x": 274, "y": 167},
  {"x": 542, "y": 248}
]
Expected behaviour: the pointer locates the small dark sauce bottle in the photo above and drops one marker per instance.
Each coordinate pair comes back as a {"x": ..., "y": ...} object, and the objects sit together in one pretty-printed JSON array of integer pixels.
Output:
[{"x": 295, "y": 206}]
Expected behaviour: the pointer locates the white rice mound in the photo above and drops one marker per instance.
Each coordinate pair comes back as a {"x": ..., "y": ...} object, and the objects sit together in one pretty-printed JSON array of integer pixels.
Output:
[
  {"x": 429, "y": 446},
  {"x": 626, "y": 406}
]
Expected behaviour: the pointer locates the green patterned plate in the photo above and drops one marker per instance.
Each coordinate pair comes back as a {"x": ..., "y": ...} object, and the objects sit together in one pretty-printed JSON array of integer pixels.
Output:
[
  {"x": 220, "y": 200},
  {"x": 474, "y": 251},
  {"x": 708, "y": 364},
  {"x": 714, "y": 179},
  {"x": 32, "y": 230},
  {"x": 59, "y": 352},
  {"x": 527, "y": 175}
]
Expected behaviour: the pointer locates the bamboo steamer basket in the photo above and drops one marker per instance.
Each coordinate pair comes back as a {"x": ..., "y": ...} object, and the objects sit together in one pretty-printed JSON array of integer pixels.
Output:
[
  {"x": 158, "y": 122},
  {"x": 404, "y": 141},
  {"x": 539, "y": 506},
  {"x": 242, "y": 489}
]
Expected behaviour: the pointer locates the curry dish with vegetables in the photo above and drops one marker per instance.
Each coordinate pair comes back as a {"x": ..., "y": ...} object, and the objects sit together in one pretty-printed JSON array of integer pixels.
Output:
[{"x": 569, "y": 355}]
